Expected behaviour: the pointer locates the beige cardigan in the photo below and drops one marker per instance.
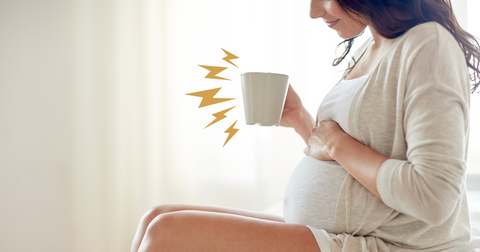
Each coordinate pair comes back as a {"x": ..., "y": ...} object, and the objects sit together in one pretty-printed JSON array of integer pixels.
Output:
[{"x": 414, "y": 108}]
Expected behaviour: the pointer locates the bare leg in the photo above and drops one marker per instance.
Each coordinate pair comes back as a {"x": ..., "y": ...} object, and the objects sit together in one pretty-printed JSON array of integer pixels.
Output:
[
  {"x": 162, "y": 209},
  {"x": 211, "y": 232}
]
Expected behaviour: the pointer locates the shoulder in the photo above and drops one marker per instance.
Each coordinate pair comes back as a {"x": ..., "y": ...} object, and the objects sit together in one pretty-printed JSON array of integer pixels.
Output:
[
  {"x": 425, "y": 44},
  {"x": 429, "y": 34},
  {"x": 425, "y": 30},
  {"x": 430, "y": 58}
]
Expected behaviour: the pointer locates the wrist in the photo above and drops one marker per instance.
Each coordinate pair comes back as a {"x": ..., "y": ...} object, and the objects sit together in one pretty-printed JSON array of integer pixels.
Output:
[
  {"x": 304, "y": 124},
  {"x": 336, "y": 143},
  {"x": 305, "y": 120}
]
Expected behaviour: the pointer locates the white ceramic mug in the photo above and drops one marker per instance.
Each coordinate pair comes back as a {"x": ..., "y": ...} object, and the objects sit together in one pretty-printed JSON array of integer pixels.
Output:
[{"x": 264, "y": 97}]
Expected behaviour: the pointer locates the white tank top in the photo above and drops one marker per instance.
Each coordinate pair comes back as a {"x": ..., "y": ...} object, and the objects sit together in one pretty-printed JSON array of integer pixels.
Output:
[{"x": 311, "y": 194}]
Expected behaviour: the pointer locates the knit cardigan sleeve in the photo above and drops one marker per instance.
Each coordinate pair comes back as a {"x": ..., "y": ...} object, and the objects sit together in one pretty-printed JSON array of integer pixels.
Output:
[{"x": 428, "y": 184}]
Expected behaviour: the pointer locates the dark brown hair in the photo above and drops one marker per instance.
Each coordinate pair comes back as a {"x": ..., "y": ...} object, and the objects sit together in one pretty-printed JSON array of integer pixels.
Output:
[{"x": 392, "y": 18}]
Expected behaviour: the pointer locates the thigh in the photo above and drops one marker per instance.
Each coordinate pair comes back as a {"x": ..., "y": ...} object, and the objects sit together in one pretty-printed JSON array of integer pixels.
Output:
[
  {"x": 156, "y": 211},
  {"x": 161, "y": 209},
  {"x": 214, "y": 231}
]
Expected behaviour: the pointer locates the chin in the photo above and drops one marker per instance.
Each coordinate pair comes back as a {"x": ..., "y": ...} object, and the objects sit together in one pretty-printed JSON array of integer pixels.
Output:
[{"x": 348, "y": 35}]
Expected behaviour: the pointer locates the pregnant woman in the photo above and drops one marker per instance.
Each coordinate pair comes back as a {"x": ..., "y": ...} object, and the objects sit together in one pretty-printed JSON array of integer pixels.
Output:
[{"x": 385, "y": 164}]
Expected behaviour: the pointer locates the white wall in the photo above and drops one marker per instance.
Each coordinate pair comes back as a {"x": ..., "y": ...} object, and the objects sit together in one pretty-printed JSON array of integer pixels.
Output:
[{"x": 35, "y": 125}]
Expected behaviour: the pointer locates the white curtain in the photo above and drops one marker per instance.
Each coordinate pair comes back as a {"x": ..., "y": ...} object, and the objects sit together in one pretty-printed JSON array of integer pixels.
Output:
[{"x": 140, "y": 141}]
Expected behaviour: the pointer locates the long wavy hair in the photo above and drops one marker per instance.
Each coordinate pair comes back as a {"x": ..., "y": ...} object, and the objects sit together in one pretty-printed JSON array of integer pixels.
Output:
[{"x": 392, "y": 18}]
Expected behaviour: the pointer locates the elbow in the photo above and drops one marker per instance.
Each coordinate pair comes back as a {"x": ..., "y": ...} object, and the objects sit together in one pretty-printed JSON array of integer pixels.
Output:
[
  {"x": 429, "y": 193},
  {"x": 436, "y": 217},
  {"x": 438, "y": 196},
  {"x": 438, "y": 211}
]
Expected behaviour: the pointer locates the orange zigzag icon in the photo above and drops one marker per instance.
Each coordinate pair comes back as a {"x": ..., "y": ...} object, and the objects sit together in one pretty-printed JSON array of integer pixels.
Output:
[
  {"x": 208, "y": 97},
  {"x": 220, "y": 115},
  {"x": 229, "y": 57},
  {"x": 231, "y": 132},
  {"x": 214, "y": 70}
]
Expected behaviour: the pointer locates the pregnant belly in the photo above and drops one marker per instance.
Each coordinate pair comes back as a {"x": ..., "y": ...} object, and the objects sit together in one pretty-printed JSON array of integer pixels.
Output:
[{"x": 311, "y": 194}]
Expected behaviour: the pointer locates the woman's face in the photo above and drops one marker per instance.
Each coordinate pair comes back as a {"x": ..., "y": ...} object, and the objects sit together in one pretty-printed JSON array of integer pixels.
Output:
[{"x": 336, "y": 18}]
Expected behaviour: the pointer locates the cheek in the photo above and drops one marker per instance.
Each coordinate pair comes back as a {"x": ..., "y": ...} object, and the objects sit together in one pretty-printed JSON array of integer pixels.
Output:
[
  {"x": 355, "y": 27},
  {"x": 333, "y": 9},
  {"x": 349, "y": 30},
  {"x": 352, "y": 26}
]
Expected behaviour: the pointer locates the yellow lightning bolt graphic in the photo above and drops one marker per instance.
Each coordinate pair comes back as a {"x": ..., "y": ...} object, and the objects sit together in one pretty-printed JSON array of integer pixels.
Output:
[
  {"x": 220, "y": 115},
  {"x": 231, "y": 132},
  {"x": 214, "y": 70},
  {"x": 208, "y": 97},
  {"x": 229, "y": 57}
]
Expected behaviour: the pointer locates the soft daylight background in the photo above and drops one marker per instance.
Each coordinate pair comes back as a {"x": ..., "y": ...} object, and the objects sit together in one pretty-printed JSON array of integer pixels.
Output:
[{"x": 96, "y": 127}]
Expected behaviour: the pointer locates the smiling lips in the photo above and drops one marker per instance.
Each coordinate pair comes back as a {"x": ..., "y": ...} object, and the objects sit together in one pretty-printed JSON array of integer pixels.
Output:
[{"x": 332, "y": 23}]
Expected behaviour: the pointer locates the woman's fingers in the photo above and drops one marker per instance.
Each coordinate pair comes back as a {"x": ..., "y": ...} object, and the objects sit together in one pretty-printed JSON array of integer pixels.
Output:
[
  {"x": 317, "y": 149},
  {"x": 306, "y": 151},
  {"x": 321, "y": 138},
  {"x": 313, "y": 143},
  {"x": 326, "y": 130}
]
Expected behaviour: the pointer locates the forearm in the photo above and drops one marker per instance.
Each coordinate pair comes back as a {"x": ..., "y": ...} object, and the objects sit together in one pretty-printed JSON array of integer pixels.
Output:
[
  {"x": 360, "y": 161},
  {"x": 305, "y": 125}
]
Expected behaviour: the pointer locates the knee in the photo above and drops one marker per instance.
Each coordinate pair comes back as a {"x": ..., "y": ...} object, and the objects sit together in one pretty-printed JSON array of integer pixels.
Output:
[
  {"x": 165, "y": 223},
  {"x": 163, "y": 231},
  {"x": 154, "y": 212}
]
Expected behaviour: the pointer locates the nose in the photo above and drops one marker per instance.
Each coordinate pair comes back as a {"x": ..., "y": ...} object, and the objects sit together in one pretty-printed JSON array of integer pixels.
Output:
[{"x": 317, "y": 9}]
